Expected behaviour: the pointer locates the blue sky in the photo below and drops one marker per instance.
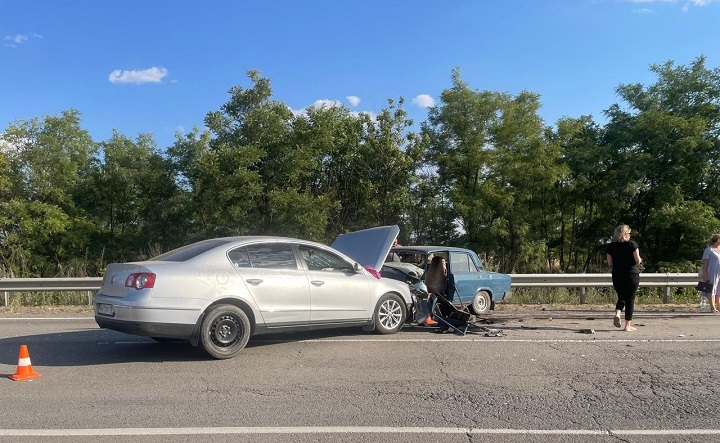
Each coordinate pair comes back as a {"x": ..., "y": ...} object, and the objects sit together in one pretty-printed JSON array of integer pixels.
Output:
[{"x": 159, "y": 66}]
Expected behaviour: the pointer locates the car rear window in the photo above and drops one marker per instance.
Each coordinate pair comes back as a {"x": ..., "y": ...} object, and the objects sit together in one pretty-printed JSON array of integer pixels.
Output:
[{"x": 190, "y": 251}]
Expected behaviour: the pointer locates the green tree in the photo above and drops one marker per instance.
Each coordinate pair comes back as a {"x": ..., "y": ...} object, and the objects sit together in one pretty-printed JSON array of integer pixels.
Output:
[
  {"x": 528, "y": 169},
  {"x": 490, "y": 154},
  {"x": 129, "y": 199},
  {"x": 247, "y": 161},
  {"x": 666, "y": 149},
  {"x": 460, "y": 134},
  {"x": 582, "y": 195},
  {"x": 47, "y": 159}
]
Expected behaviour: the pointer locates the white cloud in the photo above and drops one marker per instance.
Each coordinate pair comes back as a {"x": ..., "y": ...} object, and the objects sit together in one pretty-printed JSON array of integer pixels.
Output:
[
  {"x": 686, "y": 3},
  {"x": 700, "y": 3},
  {"x": 643, "y": 11},
  {"x": 12, "y": 41},
  {"x": 322, "y": 103},
  {"x": 325, "y": 103},
  {"x": 424, "y": 101},
  {"x": 151, "y": 75},
  {"x": 297, "y": 112},
  {"x": 19, "y": 39},
  {"x": 331, "y": 104},
  {"x": 372, "y": 115}
]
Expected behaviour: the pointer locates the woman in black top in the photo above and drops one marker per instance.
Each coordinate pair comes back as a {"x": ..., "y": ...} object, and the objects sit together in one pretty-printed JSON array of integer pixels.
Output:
[{"x": 623, "y": 257}]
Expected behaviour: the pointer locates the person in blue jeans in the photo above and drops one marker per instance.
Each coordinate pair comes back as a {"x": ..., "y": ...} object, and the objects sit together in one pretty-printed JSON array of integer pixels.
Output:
[
  {"x": 623, "y": 258},
  {"x": 711, "y": 271}
]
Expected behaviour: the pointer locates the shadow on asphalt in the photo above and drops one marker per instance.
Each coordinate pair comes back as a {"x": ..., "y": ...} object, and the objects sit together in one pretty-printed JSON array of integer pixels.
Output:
[
  {"x": 101, "y": 346},
  {"x": 93, "y": 346}
]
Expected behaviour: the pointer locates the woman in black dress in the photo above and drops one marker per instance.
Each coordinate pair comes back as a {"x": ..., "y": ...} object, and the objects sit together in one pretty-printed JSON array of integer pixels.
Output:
[{"x": 623, "y": 257}]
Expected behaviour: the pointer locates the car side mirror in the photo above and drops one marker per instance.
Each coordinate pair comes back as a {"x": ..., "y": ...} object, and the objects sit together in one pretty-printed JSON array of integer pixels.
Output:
[{"x": 357, "y": 267}]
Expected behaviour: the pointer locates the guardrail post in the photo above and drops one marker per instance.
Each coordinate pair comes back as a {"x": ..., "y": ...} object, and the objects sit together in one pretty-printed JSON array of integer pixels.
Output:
[
  {"x": 89, "y": 294},
  {"x": 666, "y": 297},
  {"x": 583, "y": 292},
  {"x": 7, "y": 298}
]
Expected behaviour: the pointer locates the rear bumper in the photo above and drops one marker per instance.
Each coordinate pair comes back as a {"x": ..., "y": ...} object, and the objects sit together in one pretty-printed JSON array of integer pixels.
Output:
[
  {"x": 148, "y": 329},
  {"x": 138, "y": 318}
]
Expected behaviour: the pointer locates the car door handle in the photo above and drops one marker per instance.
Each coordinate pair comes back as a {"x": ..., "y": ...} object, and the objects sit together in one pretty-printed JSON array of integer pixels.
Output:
[
  {"x": 254, "y": 281},
  {"x": 317, "y": 282}
]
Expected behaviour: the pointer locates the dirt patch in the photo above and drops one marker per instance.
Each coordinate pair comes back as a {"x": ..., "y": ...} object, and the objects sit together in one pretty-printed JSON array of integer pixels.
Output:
[{"x": 38, "y": 311}]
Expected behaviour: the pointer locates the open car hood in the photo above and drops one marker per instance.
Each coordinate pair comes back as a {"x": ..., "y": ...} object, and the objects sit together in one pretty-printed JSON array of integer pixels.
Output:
[{"x": 368, "y": 247}]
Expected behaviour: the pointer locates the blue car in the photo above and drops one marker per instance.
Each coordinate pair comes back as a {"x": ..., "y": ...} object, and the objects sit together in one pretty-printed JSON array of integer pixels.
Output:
[{"x": 463, "y": 280}]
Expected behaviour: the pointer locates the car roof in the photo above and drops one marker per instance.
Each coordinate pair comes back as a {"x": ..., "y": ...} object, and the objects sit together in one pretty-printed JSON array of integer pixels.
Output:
[
  {"x": 369, "y": 247},
  {"x": 200, "y": 247},
  {"x": 429, "y": 249}
]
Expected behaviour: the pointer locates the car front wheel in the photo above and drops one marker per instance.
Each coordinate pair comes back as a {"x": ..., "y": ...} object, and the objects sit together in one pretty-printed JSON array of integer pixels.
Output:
[
  {"x": 225, "y": 331},
  {"x": 481, "y": 303},
  {"x": 389, "y": 314}
]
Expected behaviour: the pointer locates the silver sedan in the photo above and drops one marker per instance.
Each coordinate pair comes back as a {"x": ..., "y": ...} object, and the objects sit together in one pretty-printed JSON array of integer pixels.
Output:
[{"x": 218, "y": 293}]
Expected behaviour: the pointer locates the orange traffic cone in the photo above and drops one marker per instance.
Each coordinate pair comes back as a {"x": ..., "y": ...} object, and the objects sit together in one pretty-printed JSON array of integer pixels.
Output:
[{"x": 24, "y": 369}]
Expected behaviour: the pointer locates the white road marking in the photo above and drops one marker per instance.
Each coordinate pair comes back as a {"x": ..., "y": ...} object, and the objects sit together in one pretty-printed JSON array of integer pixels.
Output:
[{"x": 343, "y": 430}]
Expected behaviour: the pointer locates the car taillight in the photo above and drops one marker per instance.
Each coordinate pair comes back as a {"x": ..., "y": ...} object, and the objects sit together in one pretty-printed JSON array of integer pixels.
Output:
[{"x": 140, "y": 280}]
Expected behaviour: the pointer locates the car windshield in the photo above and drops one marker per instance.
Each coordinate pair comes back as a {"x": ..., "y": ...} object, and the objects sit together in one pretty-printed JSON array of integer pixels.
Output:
[
  {"x": 411, "y": 257},
  {"x": 190, "y": 251}
]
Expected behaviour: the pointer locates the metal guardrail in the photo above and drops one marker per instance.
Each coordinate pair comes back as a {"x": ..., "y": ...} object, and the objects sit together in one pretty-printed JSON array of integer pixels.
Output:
[
  {"x": 582, "y": 281},
  {"x": 50, "y": 284},
  {"x": 89, "y": 284},
  {"x": 600, "y": 280}
]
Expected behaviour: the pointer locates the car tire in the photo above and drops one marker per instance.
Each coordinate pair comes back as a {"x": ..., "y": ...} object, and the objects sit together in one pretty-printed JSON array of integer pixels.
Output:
[
  {"x": 225, "y": 331},
  {"x": 481, "y": 303},
  {"x": 389, "y": 314}
]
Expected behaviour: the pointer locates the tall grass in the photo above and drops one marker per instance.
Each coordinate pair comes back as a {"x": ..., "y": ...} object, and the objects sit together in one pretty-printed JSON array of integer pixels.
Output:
[
  {"x": 46, "y": 298},
  {"x": 599, "y": 296}
]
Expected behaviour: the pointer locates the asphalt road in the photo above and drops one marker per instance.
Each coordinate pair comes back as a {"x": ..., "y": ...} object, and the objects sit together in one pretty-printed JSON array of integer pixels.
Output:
[{"x": 538, "y": 376}]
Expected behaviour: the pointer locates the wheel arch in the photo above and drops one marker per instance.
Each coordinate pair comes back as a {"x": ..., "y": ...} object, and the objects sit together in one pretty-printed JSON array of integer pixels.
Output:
[
  {"x": 408, "y": 302},
  {"x": 490, "y": 293},
  {"x": 407, "y": 309},
  {"x": 195, "y": 339}
]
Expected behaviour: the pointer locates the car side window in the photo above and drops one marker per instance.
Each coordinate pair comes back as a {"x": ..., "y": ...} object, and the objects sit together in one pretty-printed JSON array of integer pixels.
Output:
[
  {"x": 239, "y": 258},
  {"x": 272, "y": 256},
  {"x": 319, "y": 260},
  {"x": 461, "y": 263}
]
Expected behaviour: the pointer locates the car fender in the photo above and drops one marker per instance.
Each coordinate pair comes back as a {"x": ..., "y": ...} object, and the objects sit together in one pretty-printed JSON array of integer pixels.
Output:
[
  {"x": 400, "y": 288},
  {"x": 240, "y": 303}
]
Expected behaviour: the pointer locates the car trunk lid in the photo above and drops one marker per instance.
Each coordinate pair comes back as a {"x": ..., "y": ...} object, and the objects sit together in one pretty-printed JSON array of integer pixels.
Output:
[{"x": 115, "y": 276}]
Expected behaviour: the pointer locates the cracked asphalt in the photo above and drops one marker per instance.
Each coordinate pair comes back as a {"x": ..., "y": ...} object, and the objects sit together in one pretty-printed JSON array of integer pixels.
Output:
[{"x": 548, "y": 375}]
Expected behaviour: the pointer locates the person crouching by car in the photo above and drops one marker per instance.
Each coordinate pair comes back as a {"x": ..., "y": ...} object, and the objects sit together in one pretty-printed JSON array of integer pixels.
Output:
[
  {"x": 436, "y": 282},
  {"x": 711, "y": 271}
]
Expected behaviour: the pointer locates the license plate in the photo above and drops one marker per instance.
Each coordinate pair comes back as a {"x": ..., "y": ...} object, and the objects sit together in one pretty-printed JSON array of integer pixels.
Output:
[{"x": 105, "y": 309}]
